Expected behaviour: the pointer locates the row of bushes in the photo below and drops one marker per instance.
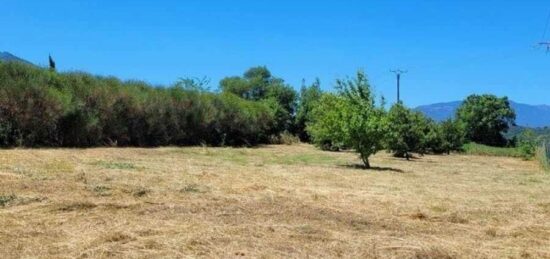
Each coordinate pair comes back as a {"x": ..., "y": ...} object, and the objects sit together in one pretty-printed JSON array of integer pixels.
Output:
[
  {"x": 351, "y": 118},
  {"x": 40, "y": 107},
  {"x": 402, "y": 131}
]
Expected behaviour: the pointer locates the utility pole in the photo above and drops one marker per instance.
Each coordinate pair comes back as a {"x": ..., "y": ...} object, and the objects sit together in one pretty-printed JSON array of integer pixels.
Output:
[{"x": 398, "y": 73}]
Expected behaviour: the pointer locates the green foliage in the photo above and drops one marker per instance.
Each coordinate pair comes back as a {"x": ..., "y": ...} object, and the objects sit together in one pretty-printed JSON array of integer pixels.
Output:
[
  {"x": 6, "y": 199},
  {"x": 527, "y": 144},
  {"x": 543, "y": 155},
  {"x": 257, "y": 84},
  {"x": 542, "y": 134},
  {"x": 350, "y": 117},
  {"x": 407, "y": 131},
  {"x": 309, "y": 97},
  {"x": 410, "y": 131},
  {"x": 326, "y": 122},
  {"x": 39, "y": 107},
  {"x": 486, "y": 118},
  {"x": 484, "y": 150},
  {"x": 453, "y": 135}
]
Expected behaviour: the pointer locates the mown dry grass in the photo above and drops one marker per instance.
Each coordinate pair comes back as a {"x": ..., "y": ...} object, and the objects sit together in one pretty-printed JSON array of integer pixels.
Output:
[{"x": 268, "y": 202}]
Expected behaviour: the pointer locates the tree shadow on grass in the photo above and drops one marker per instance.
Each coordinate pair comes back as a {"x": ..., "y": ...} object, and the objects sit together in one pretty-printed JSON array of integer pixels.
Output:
[{"x": 372, "y": 168}]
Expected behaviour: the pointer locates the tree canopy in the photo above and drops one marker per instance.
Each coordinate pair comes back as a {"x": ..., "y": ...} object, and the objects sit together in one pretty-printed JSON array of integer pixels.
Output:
[
  {"x": 258, "y": 84},
  {"x": 350, "y": 117},
  {"x": 309, "y": 98},
  {"x": 486, "y": 118}
]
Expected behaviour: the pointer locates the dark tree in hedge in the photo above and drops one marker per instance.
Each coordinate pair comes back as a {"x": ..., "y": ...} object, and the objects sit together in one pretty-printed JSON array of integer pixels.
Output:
[
  {"x": 257, "y": 84},
  {"x": 406, "y": 131},
  {"x": 309, "y": 97},
  {"x": 486, "y": 118}
]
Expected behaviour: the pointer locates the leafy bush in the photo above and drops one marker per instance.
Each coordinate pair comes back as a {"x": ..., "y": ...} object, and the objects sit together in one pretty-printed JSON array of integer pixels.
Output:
[
  {"x": 410, "y": 131},
  {"x": 453, "y": 135},
  {"x": 407, "y": 131},
  {"x": 309, "y": 97},
  {"x": 527, "y": 144},
  {"x": 326, "y": 122},
  {"x": 258, "y": 84},
  {"x": 39, "y": 107}
]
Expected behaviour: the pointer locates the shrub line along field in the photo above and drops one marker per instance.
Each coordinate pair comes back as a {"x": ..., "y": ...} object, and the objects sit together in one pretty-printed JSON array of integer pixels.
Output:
[{"x": 268, "y": 202}]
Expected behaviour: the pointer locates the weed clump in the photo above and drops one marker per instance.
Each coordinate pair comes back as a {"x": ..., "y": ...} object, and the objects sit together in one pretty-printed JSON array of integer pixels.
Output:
[
  {"x": 7, "y": 199},
  {"x": 140, "y": 192}
]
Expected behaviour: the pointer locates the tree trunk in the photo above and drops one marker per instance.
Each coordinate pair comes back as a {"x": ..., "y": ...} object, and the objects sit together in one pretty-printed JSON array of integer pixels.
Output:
[{"x": 366, "y": 161}]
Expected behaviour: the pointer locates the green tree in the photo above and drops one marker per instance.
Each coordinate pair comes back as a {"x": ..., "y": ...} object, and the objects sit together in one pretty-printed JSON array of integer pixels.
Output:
[
  {"x": 350, "y": 117},
  {"x": 326, "y": 124},
  {"x": 407, "y": 131},
  {"x": 452, "y": 133},
  {"x": 257, "y": 84},
  {"x": 309, "y": 98},
  {"x": 486, "y": 118}
]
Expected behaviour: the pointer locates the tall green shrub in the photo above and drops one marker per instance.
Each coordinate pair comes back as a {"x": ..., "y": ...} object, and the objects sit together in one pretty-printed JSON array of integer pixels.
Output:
[
  {"x": 39, "y": 107},
  {"x": 407, "y": 131}
]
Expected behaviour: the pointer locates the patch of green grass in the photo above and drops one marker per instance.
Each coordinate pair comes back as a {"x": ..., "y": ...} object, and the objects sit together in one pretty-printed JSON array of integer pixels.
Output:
[
  {"x": 531, "y": 180},
  {"x": 115, "y": 165},
  {"x": 249, "y": 156},
  {"x": 59, "y": 166},
  {"x": 483, "y": 150},
  {"x": 13, "y": 200},
  {"x": 238, "y": 156},
  {"x": 304, "y": 159},
  {"x": 6, "y": 199}
]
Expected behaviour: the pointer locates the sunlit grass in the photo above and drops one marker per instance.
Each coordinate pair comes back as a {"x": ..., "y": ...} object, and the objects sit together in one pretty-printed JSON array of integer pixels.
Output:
[
  {"x": 269, "y": 202},
  {"x": 483, "y": 150}
]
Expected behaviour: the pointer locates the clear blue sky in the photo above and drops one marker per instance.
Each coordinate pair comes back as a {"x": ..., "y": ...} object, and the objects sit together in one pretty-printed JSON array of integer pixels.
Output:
[{"x": 450, "y": 48}]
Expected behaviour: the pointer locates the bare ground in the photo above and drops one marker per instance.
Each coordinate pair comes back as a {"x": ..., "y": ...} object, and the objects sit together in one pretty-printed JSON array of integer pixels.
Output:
[{"x": 268, "y": 202}]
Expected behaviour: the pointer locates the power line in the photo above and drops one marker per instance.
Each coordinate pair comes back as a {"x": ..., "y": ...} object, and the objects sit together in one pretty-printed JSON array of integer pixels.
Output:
[
  {"x": 543, "y": 42},
  {"x": 398, "y": 73}
]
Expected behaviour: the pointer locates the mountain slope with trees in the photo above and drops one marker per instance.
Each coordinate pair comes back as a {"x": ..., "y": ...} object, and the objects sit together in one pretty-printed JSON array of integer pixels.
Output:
[
  {"x": 533, "y": 116},
  {"x": 8, "y": 57}
]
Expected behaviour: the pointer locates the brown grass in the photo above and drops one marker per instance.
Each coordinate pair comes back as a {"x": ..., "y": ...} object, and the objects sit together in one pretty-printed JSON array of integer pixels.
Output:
[{"x": 269, "y": 202}]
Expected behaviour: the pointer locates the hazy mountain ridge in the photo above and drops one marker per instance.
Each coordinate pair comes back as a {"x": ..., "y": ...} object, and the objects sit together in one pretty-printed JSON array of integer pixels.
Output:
[
  {"x": 526, "y": 115},
  {"x": 8, "y": 57}
]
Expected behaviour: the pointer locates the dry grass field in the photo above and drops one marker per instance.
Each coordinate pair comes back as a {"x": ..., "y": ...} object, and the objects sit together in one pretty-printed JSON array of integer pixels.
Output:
[{"x": 268, "y": 202}]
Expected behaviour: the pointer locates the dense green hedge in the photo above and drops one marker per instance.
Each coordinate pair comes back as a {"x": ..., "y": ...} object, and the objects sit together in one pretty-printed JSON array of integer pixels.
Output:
[{"x": 39, "y": 107}]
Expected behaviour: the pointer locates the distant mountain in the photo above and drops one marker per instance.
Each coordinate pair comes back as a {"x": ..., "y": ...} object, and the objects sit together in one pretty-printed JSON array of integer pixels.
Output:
[
  {"x": 7, "y": 57},
  {"x": 526, "y": 115}
]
